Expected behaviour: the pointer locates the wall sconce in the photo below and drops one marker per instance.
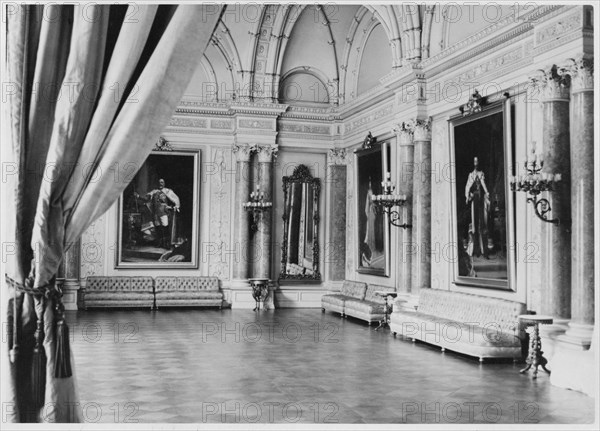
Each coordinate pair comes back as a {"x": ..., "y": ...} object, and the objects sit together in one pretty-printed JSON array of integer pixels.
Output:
[
  {"x": 386, "y": 201},
  {"x": 256, "y": 205},
  {"x": 535, "y": 182}
]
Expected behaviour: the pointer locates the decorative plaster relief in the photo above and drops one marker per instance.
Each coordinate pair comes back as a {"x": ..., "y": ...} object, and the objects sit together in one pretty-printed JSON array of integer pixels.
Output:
[
  {"x": 305, "y": 128},
  {"x": 374, "y": 116},
  {"x": 93, "y": 249},
  {"x": 256, "y": 124},
  {"x": 488, "y": 66},
  {"x": 220, "y": 203},
  {"x": 350, "y": 209},
  {"x": 188, "y": 122},
  {"x": 221, "y": 124},
  {"x": 441, "y": 190},
  {"x": 559, "y": 28}
]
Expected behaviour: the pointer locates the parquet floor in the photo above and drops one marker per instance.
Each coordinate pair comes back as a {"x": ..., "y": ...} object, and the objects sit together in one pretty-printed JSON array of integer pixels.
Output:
[{"x": 293, "y": 366}]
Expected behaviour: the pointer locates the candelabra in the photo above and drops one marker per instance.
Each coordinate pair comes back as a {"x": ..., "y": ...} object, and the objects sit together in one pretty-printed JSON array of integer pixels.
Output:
[
  {"x": 534, "y": 182},
  {"x": 386, "y": 201},
  {"x": 256, "y": 205}
]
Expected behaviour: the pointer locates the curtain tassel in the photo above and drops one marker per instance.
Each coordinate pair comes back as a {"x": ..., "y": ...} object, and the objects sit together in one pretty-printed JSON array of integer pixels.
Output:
[
  {"x": 38, "y": 376},
  {"x": 62, "y": 354}
]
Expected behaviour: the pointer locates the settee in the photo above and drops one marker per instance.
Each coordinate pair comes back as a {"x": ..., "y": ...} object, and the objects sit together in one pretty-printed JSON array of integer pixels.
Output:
[
  {"x": 371, "y": 308},
  {"x": 118, "y": 291},
  {"x": 356, "y": 299},
  {"x": 188, "y": 291},
  {"x": 350, "y": 290},
  {"x": 475, "y": 325}
]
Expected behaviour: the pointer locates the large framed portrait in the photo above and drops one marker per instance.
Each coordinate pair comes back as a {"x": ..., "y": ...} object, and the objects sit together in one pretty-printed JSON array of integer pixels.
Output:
[
  {"x": 482, "y": 204},
  {"x": 373, "y": 243},
  {"x": 158, "y": 213}
]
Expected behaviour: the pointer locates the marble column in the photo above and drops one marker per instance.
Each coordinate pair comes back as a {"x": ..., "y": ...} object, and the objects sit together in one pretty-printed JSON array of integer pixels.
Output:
[
  {"x": 335, "y": 249},
  {"x": 241, "y": 230},
  {"x": 582, "y": 202},
  {"x": 263, "y": 243},
  {"x": 404, "y": 139},
  {"x": 553, "y": 88},
  {"x": 421, "y": 207}
]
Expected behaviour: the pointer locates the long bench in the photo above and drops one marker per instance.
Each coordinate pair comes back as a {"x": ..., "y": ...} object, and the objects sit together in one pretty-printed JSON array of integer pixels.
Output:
[
  {"x": 118, "y": 291},
  {"x": 356, "y": 299},
  {"x": 141, "y": 291},
  {"x": 475, "y": 325}
]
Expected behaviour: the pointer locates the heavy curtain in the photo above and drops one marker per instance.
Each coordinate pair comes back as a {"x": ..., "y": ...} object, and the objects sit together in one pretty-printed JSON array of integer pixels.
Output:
[{"x": 89, "y": 88}]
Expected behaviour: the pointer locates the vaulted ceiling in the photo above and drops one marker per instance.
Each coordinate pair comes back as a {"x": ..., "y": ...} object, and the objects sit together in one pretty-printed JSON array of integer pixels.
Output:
[{"x": 328, "y": 54}]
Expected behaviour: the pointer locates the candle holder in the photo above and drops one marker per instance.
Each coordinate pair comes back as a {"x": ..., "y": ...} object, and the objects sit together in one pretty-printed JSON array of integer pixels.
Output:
[
  {"x": 534, "y": 182},
  {"x": 256, "y": 206},
  {"x": 388, "y": 200}
]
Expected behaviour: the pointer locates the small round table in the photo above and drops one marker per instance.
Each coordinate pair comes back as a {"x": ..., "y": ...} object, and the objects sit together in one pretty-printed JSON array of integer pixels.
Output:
[
  {"x": 387, "y": 309},
  {"x": 260, "y": 290},
  {"x": 535, "y": 357}
]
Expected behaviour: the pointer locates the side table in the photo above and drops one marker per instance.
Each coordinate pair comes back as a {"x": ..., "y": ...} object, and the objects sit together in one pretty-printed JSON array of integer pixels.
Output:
[
  {"x": 387, "y": 308},
  {"x": 535, "y": 357}
]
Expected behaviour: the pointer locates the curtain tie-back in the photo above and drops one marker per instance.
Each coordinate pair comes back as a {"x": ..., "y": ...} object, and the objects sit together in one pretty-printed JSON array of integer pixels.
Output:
[{"x": 62, "y": 354}]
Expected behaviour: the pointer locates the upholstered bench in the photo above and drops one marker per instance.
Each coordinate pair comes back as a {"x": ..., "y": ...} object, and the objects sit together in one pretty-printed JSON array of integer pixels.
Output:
[
  {"x": 475, "y": 325},
  {"x": 118, "y": 291},
  {"x": 188, "y": 291},
  {"x": 371, "y": 308},
  {"x": 350, "y": 290}
]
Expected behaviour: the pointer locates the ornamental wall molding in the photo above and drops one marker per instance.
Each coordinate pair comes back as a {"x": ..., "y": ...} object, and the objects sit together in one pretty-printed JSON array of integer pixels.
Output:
[
  {"x": 369, "y": 118},
  {"x": 526, "y": 26},
  {"x": 479, "y": 51},
  {"x": 316, "y": 129},
  {"x": 556, "y": 29}
]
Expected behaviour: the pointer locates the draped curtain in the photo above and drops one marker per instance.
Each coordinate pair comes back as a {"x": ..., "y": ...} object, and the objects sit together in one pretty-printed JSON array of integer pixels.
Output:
[{"x": 89, "y": 88}]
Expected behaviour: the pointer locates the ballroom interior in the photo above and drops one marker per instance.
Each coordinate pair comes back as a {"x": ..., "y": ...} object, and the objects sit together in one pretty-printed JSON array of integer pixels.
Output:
[{"x": 354, "y": 214}]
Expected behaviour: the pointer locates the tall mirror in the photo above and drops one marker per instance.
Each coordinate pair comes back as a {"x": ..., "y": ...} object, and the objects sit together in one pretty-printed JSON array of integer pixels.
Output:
[{"x": 300, "y": 245}]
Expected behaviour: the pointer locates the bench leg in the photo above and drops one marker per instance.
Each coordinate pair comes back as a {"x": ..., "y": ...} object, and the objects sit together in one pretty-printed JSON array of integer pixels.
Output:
[{"x": 322, "y": 310}]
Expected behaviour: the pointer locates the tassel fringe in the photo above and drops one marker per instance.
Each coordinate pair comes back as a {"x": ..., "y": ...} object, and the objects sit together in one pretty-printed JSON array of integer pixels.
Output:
[
  {"x": 62, "y": 355},
  {"x": 38, "y": 370}
]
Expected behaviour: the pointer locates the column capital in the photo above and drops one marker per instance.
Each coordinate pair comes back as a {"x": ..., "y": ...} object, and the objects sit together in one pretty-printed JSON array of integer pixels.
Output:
[
  {"x": 243, "y": 151},
  {"x": 266, "y": 152},
  {"x": 415, "y": 129},
  {"x": 336, "y": 156},
  {"x": 581, "y": 71},
  {"x": 403, "y": 133},
  {"x": 553, "y": 83}
]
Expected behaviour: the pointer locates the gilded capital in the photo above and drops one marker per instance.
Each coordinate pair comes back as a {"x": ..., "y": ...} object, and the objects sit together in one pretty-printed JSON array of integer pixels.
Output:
[
  {"x": 404, "y": 131},
  {"x": 243, "y": 152},
  {"x": 581, "y": 71},
  {"x": 552, "y": 83},
  {"x": 266, "y": 153},
  {"x": 336, "y": 156}
]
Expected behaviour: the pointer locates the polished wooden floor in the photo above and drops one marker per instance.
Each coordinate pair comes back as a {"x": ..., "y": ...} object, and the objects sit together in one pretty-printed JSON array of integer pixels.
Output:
[{"x": 293, "y": 366}]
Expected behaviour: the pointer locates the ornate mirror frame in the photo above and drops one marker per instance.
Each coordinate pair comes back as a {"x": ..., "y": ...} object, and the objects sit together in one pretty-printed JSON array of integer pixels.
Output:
[{"x": 301, "y": 175}]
